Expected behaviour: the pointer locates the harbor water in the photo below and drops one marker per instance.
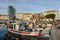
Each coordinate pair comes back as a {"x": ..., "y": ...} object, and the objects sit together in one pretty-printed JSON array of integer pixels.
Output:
[{"x": 3, "y": 31}]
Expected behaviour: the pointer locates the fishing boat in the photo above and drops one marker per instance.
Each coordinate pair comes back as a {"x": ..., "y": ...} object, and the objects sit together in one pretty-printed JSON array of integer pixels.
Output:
[{"x": 20, "y": 28}]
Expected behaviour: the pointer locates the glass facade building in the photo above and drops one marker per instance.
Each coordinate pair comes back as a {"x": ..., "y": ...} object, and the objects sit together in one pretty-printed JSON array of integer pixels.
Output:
[{"x": 11, "y": 12}]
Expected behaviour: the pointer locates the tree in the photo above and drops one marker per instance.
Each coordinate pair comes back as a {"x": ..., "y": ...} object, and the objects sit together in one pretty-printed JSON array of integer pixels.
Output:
[
  {"x": 50, "y": 16},
  {"x": 17, "y": 19},
  {"x": 14, "y": 17}
]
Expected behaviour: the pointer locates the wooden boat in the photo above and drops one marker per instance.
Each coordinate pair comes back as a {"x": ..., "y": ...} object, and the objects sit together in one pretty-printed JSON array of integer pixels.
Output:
[{"x": 19, "y": 28}]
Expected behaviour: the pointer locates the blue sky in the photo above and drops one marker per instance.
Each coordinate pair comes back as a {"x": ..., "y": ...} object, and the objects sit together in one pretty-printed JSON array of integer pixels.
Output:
[{"x": 30, "y": 6}]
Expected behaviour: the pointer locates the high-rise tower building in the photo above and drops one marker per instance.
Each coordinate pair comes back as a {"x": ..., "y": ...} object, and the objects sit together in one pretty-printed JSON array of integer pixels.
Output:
[{"x": 11, "y": 12}]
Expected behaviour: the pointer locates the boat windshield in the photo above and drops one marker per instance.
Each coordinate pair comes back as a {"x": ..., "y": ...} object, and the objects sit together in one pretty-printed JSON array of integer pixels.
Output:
[{"x": 11, "y": 26}]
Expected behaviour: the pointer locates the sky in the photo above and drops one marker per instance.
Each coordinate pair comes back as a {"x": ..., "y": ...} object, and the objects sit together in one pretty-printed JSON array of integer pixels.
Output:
[{"x": 30, "y": 6}]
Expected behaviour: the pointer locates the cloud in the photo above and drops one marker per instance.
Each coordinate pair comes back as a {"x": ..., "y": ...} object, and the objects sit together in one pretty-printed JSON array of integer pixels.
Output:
[
  {"x": 3, "y": 4},
  {"x": 43, "y": 2},
  {"x": 3, "y": 8}
]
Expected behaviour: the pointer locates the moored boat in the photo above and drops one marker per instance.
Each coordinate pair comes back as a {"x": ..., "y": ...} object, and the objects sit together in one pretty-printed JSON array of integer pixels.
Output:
[{"x": 20, "y": 28}]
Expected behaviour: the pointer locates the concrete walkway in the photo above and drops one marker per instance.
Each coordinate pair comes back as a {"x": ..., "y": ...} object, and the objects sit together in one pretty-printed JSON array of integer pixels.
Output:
[{"x": 55, "y": 33}]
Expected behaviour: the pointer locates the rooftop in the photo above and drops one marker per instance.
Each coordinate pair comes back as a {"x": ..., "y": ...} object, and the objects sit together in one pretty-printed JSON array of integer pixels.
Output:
[{"x": 52, "y": 11}]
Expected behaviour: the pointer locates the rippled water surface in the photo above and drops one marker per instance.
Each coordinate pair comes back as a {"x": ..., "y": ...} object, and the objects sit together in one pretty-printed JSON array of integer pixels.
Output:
[{"x": 3, "y": 31}]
